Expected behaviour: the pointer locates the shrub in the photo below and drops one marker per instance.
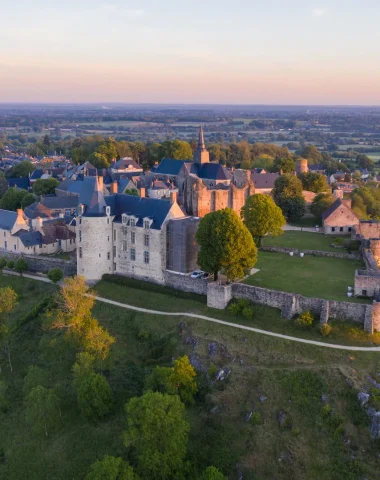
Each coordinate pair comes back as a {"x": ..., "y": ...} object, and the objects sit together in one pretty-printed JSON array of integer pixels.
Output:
[
  {"x": 247, "y": 313},
  {"x": 326, "y": 410},
  {"x": 144, "y": 335},
  {"x": 3, "y": 262},
  {"x": 243, "y": 303},
  {"x": 256, "y": 418},
  {"x": 234, "y": 308},
  {"x": 55, "y": 275},
  {"x": 325, "y": 329},
  {"x": 305, "y": 320},
  {"x": 21, "y": 265},
  {"x": 10, "y": 264},
  {"x": 212, "y": 370}
]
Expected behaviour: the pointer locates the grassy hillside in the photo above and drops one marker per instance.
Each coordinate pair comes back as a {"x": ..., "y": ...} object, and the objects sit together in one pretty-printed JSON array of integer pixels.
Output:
[{"x": 308, "y": 426}]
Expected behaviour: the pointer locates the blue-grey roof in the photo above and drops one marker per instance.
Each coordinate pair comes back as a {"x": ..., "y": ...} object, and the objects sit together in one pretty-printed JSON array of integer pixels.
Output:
[
  {"x": 92, "y": 197},
  {"x": 213, "y": 171},
  {"x": 60, "y": 202},
  {"x": 170, "y": 166},
  {"x": 71, "y": 186},
  {"x": 22, "y": 182},
  {"x": 123, "y": 184},
  {"x": 152, "y": 208},
  {"x": 30, "y": 239},
  {"x": 7, "y": 219},
  {"x": 37, "y": 174},
  {"x": 125, "y": 163}
]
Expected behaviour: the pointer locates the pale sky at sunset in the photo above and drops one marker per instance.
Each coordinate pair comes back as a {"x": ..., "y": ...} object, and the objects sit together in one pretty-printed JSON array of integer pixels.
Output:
[{"x": 172, "y": 51}]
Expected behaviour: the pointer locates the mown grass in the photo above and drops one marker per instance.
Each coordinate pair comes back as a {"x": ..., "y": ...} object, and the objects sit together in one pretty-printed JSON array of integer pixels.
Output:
[
  {"x": 292, "y": 376},
  {"x": 319, "y": 277},
  {"x": 302, "y": 241}
]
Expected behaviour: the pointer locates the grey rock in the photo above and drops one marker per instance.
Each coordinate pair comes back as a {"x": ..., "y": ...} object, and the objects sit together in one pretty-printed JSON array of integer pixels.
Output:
[
  {"x": 363, "y": 398},
  {"x": 222, "y": 374},
  {"x": 325, "y": 399},
  {"x": 283, "y": 419},
  {"x": 373, "y": 382},
  {"x": 214, "y": 410},
  {"x": 375, "y": 425},
  {"x": 197, "y": 364},
  {"x": 212, "y": 348},
  {"x": 241, "y": 362},
  {"x": 263, "y": 398},
  {"x": 248, "y": 416}
]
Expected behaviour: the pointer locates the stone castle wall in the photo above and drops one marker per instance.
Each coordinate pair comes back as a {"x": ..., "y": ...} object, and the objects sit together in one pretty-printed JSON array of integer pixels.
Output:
[
  {"x": 39, "y": 263},
  {"x": 315, "y": 253}
]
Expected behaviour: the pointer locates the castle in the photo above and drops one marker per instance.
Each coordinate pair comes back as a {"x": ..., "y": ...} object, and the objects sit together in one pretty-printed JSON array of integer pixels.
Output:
[{"x": 204, "y": 186}]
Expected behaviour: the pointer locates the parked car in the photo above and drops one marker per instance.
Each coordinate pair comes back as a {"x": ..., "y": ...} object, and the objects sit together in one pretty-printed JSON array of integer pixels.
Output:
[
  {"x": 197, "y": 274},
  {"x": 205, "y": 275}
]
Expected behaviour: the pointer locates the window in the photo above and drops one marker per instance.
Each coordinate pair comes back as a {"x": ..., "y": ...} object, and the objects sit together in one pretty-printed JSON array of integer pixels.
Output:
[
  {"x": 67, "y": 213},
  {"x": 341, "y": 229},
  {"x": 124, "y": 231},
  {"x": 109, "y": 256},
  {"x": 133, "y": 222},
  {"x": 40, "y": 245},
  {"x": 133, "y": 254},
  {"x": 5, "y": 234},
  {"x": 5, "y": 245},
  {"x": 350, "y": 229},
  {"x": 80, "y": 221},
  {"x": 108, "y": 221},
  {"x": 133, "y": 237},
  {"x": 333, "y": 229},
  {"x": 108, "y": 211},
  {"x": 14, "y": 247},
  {"x": 114, "y": 234},
  {"x": 80, "y": 235},
  {"x": 108, "y": 238},
  {"x": 146, "y": 224},
  {"x": 146, "y": 240},
  {"x": 114, "y": 267},
  {"x": 80, "y": 252},
  {"x": 114, "y": 251},
  {"x": 364, "y": 293},
  {"x": 125, "y": 246},
  {"x": 124, "y": 219},
  {"x": 146, "y": 257}
]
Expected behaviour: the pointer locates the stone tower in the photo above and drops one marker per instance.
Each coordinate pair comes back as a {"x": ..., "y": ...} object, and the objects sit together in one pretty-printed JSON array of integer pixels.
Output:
[
  {"x": 94, "y": 233},
  {"x": 302, "y": 166},
  {"x": 201, "y": 154}
]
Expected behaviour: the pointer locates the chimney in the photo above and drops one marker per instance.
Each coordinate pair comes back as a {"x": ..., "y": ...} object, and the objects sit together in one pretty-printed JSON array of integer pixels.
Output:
[
  {"x": 173, "y": 197},
  {"x": 20, "y": 215},
  {"x": 142, "y": 192},
  {"x": 100, "y": 180},
  {"x": 114, "y": 187}
]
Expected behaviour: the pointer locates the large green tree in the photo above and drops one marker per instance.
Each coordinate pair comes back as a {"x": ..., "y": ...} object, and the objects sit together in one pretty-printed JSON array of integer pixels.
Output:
[
  {"x": 42, "y": 409},
  {"x": 311, "y": 153},
  {"x": 287, "y": 194},
  {"x": 111, "y": 468},
  {"x": 225, "y": 244},
  {"x": 16, "y": 198},
  {"x": 212, "y": 473},
  {"x": 262, "y": 217},
  {"x": 321, "y": 203},
  {"x": 94, "y": 395},
  {"x": 284, "y": 165},
  {"x": 314, "y": 182},
  {"x": 22, "y": 169},
  {"x": 158, "y": 431},
  {"x": 45, "y": 186}
]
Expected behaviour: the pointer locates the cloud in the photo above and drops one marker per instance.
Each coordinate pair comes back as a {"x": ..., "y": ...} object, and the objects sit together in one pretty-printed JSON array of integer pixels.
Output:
[
  {"x": 318, "y": 12},
  {"x": 114, "y": 7}
]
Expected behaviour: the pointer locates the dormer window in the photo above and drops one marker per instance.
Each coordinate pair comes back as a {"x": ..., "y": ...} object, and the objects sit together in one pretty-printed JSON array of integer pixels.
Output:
[
  {"x": 133, "y": 222},
  {"x": 146, "y": 224},
  {"x": 108, "y": 211},
  {"x": 124, "y": 219}
]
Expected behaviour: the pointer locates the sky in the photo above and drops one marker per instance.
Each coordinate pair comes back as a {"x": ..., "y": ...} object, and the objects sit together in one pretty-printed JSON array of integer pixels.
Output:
[{"x": 174, "y": 51}]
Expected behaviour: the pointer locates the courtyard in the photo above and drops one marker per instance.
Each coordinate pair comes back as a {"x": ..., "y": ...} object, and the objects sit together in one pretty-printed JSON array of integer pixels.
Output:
[{"x": 321, "y": 277}]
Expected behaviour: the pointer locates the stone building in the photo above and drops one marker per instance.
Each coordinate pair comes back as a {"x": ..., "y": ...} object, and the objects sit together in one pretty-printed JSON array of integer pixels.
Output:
[
  {"x": 339, "y": 219},
  {"x": 122, "y": 234},
  {"x": 204, "y": 186}
]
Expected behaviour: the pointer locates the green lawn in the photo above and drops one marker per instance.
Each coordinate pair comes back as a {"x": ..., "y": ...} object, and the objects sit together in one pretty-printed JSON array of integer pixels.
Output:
[
  {"x": 319, "y": 277},
  {"x": 307, "y": 222},
  {"x": 303, "y": 241}
]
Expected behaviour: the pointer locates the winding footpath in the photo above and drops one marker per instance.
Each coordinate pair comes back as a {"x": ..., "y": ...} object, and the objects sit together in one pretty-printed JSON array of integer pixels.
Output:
[{"x": 215, "y": 320}]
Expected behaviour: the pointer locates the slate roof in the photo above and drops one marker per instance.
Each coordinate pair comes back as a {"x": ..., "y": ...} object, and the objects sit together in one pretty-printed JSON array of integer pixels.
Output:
[
  {"x": 338, "y": 203},
  {"x": 22, "y": 182},
  {"x": 92, "y": 197},
  {"x": 152, "y": 208},
  {"x": 125, "y": 162},
  {"x": 7, "y": 219},
  {"x": 264, "y": 180},
  {"x": 170, "y": 166},
  {"x": 36, "y": 174},
  {"x": 213, "y": 171},
  {"x": 30, "y": 239},
  {"x": 71, "y": 186},
  {"x": 318, "y": 167},
  {"x": 60, "y": 202},
  {"x": 37, "y": 209}
]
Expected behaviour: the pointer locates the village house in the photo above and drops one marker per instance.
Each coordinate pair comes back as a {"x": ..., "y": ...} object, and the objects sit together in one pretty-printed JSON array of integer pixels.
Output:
[{"x": 339, "y": 219}]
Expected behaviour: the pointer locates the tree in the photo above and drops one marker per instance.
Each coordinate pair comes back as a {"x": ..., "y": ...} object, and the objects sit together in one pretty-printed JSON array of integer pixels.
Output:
[
  {"x": 158, "y": 431},
  {"x": 311, "y": 153},
  {"x": 262, "y": 217},
  {"x": 225, "y": 244},
  {"x": 8, "y": 302},
  {"x": 159, "y": 381},
  {"x": 284, "y": 165},
  {"x": 132, "y": 191},
  {"x": 287, "y": 194},
  {"x": 21, "y": 265},
  {"x": 97, "y": 341},
  {"x": 16, "y": 198},
  {"x": 4, "y": 403},
  {"x": 3, "y": 184},
  {"x": 55, "y": 275},
  {"x": 212, "y": 473},
  {"x": 314, "y": 182},
  {"x": 3, "y": 263},
  {"x": 365, "y": 162},
  {"x": 99, "y": 160},
  {"x": 46, "y": 140},
  {"x": 10, "y": 264},
  {"x": 22, "y": 169},
  {"x": 321, "y": 203},
  {"x": 46, "y": 186},
  {"x": 94, "y": 395},
  {"x": 111, "y": 468},
  {"x": 36, "y": 376},
  {"x": 42, "y": 409}
]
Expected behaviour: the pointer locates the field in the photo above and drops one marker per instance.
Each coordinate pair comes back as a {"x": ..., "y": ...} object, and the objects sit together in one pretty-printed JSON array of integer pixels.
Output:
[
  {"x": 320, "y": 277},
  {"x": 306, "y": 421},
  {"x": 303, "y": 241}
]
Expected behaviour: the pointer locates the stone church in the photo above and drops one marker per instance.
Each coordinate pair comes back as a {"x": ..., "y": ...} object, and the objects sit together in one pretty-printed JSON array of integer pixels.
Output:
[{"x": 205, "y": 186}]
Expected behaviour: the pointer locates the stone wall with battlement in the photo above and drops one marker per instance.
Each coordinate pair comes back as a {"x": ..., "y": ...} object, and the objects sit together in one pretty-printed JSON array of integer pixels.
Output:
[
  {"x": 39, "y": 263},
  {"x": 314, "y": 253}
]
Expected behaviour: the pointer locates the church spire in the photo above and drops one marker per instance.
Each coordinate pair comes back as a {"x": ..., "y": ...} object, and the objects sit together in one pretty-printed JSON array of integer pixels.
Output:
[{"x": 201, "y": 154}]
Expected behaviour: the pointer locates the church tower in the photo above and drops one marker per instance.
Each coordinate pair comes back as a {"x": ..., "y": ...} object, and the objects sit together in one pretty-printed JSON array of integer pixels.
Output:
[{"x": 201, "y": 154}]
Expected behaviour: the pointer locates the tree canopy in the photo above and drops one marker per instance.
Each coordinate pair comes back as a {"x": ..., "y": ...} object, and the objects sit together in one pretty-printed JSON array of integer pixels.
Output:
[
  {"x": 321, "y": 203},
  {"x": 366, "y": 202},
  {"x": 262, "y": 217},
  {"x": 158, "y": 431},
  {"x": 111, "y": 468},
  {"x": 22, "y": 169},
  {"x": 287, "y": 194},
  {"x": 225, "y": 244},
  {"x": 314, "y": 182},
  {"x": 16, "y": 198},
  {"x": 46, "y": 186}
]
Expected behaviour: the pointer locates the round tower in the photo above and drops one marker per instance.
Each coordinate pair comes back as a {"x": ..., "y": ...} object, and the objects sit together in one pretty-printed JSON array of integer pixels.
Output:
[{"x": 302, "y": 166}]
